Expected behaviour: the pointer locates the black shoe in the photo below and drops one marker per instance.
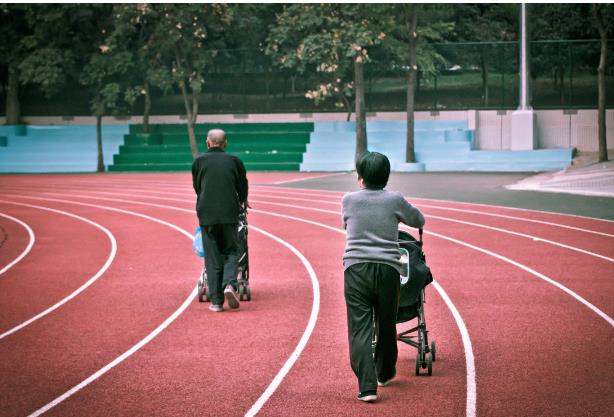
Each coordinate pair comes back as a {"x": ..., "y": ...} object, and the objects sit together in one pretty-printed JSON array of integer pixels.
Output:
[
  {"x": 367, "y": 396},
  {"x": 387, "y": 381}
]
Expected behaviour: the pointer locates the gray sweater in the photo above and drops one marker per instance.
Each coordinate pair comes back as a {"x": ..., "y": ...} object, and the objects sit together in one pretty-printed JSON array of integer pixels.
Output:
[{"x": 371, "y": 219}]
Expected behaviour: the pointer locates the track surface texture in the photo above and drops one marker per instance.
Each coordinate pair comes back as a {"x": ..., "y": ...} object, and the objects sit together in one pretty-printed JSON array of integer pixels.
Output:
[{"x": 99, "y": 314}]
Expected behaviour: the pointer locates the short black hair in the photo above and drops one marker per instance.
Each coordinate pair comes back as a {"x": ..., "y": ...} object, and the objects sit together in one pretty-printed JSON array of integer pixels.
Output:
[{"x": 374, "y": 169}]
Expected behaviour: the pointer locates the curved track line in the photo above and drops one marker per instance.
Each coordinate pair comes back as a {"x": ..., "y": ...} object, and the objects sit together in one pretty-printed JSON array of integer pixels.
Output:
[
  {"x": 501, "y": 257},
  {"x": 533, "y": 272},
  {"x": 470, "y": 409},
  {"x": 278, "y": 378},
  {"x": 340, "y": 193},
  {"x": 82, "y": 288},
  {"x": 313, "y": 317},
  {"x": 534, "y": 238},
  {"x": 484, "y": 213},
  {"x": 28, "y": 247}
]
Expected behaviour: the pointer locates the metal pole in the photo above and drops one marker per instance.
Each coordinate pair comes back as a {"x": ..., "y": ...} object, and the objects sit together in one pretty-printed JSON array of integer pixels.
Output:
[{"x": 524, "y": 64}]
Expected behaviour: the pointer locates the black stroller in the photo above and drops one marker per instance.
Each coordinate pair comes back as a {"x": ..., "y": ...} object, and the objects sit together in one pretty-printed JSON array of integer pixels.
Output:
[
  {"x": 411, "y": 303},
  {"x": 242, "y": 271}
]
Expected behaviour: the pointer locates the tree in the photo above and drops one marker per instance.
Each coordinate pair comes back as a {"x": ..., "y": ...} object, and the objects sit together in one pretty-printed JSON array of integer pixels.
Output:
[
  {"x": 13, "y": 27},
  {"x": 599, "y": 10},
  {"x": 485, "y": 23},
  {"x": 104, "y": 72},
  {"x": 415, "y": 28},
  {"x": 188, "y": 37},
  {"x": 133, "y": 32},
  {"x": 332, "y": 39}
]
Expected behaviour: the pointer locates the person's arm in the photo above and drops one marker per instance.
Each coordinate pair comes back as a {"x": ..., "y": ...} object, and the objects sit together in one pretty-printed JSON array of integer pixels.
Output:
[
  {"x": 195, "y": 179},
  {"x": 242, "y": 185},
  {"x": 408, "y": 214},
  {"x": 344, "y": 213}
]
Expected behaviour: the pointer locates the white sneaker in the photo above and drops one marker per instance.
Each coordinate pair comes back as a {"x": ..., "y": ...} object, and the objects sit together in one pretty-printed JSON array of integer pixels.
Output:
[
  {"x": 231, "y": 296},
  {"x": 216, "y": 308}
]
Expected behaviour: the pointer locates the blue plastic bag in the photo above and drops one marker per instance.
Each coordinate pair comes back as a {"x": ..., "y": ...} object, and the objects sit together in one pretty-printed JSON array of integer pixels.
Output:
[{"x": 197, "y": 244}]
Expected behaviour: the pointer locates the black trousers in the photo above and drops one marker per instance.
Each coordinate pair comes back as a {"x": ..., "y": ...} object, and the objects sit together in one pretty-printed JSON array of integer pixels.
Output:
[
  {"x": 221, "y": 246},
  {"x": 372, "y": 291}
]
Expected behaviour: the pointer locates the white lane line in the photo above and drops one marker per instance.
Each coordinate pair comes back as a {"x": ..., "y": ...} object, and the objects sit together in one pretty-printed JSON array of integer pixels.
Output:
[
  {"x": 531, "y": 237},
  {"x": 503, "y": 216},
  {"x": 470, "y": 407},
  {"x": 467, "y": 346},
  {"x": 308, "y": 178},
  {"x": 31, "y": 240},
  {"x": 532, "y": 272},
  {"x": 313, "y": 317},
  {"x": 330, "y": 193},
  {"x": 82, "y": 288},
  {"x": 278, "y": 378},
  {"x": 281, "y": 191},
  {"x": 501, "y": 257}
]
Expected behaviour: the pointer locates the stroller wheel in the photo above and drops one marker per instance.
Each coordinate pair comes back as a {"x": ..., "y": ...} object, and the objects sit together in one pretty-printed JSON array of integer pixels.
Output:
[
  {"x": 248, "y": 293},
  {"x": 429, "y": 364},
  {"x": 200, "y": 293},
  {"x": 207, "y": 294},
  {"x": 418, "y": 363},
  {"x": 241, "y": 292},
  {"x": 433, "y": 350}
]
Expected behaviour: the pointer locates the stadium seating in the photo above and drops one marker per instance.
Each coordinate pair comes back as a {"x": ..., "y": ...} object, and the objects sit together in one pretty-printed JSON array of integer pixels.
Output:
[
  {"x": 261, "y": 146},
  {"x": 57, "y": 148},
  {"x": 439, "y": 145}
]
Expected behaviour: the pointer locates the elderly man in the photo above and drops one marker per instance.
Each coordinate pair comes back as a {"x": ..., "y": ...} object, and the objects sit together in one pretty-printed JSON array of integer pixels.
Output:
[{"x": 220, "y": 183}]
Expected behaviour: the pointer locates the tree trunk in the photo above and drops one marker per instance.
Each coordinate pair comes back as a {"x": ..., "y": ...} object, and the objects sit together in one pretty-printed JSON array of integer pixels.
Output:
[
  {"x": 485, "y": 92},
  {"x": 13, "y": 112},
  {"x": 603, "y": 145},
  {"x": 361, "y": 115},
  {"x": 100, "y": 165},
  {"x": 411, "y": 20},
  {"x": 147, "y": 110},
  {"x": 191, "y": 113},
  {"x": 348, "y": 107}
]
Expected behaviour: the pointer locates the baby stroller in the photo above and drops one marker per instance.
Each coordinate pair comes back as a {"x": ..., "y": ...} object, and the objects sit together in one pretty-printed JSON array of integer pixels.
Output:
[
  {"x": 411, "y": 303},
  {"x": 243, "y": 264}
]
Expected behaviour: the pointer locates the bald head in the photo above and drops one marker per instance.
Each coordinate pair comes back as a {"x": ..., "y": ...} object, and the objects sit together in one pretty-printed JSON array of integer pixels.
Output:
[{"x": 216, "y": 138}]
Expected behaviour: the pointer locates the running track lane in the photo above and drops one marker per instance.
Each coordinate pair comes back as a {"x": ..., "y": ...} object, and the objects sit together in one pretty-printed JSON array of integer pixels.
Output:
[
  {"x": 431, "y": 258},
  {"x": 530, "y": 350},
  {"x": 47, "y": 357},
  {"x": 199, "y": 347},
  {"x": 49, "y": 273},
  {"x": 342, "y": 350}
]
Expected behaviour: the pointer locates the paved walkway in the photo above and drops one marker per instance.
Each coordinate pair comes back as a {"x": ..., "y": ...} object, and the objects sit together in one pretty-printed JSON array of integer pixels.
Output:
[{"x": 596, "y": 179}]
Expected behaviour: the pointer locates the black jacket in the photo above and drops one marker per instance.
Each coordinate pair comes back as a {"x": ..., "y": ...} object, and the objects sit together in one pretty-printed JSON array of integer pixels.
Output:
[{"x": 220, "y": 182}]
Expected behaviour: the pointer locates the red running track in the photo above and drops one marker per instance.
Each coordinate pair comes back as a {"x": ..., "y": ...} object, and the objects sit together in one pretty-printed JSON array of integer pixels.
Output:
[{"x": 521, "y": 309}]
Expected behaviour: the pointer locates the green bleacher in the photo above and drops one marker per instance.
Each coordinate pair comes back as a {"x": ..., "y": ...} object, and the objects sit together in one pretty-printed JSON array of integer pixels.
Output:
[{"x": 261, "y": 146}]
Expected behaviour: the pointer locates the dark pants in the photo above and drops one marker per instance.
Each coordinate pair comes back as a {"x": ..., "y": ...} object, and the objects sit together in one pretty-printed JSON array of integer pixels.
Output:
[
  {"x": 220, "y": 243},
  {"x": 372, "y": 289}
]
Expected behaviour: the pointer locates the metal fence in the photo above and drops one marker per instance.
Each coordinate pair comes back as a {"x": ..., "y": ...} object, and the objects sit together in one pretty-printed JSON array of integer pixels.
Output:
[{"x": 474, "y": 76}]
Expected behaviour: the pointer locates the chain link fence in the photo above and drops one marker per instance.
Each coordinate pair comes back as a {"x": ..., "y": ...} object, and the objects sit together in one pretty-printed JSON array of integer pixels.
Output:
[{"x": 475, "y": 76}]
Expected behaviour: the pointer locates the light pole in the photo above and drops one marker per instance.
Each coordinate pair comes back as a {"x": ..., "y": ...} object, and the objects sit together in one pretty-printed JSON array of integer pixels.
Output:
[{"x": 524, "y": 122}]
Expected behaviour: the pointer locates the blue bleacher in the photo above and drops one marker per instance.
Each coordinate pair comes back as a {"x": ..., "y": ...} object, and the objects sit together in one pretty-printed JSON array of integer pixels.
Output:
[
  {"x": 57, "y": 148},
  {"x": 446, "y": 145}
]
